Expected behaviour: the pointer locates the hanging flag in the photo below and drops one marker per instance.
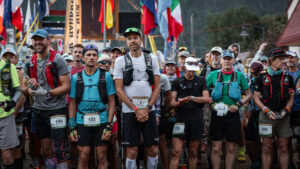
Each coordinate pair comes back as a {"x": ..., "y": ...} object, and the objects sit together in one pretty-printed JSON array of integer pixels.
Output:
[
  {"x": 27, "y": 17},
  {"x": 43, "y": 8},
  {"x": 1, "y": 15},
  {"x": 60, "y": 46},
  {"x": 149, "y": 19},
  {"x": 109, "y": 22},
  {"x": 16, "y": 14},
  {"x": 162, "y": 16},
  {"x": 175, "y": 19}
]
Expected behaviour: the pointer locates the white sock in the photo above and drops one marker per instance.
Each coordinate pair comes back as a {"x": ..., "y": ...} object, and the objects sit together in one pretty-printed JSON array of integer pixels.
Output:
[
  {"x": 130, "y": 164},
  {"x": 152, "y": 162}
]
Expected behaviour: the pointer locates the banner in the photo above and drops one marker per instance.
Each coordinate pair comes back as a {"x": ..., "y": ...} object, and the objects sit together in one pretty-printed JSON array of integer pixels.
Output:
[{"x": 73, "y": 33}]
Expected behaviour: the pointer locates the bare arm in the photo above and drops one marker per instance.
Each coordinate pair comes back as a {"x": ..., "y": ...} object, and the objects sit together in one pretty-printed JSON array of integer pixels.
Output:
[
  {"x": 290, "y": 102},
  {"x": 72, "y": 108},
  {"x": 64, "y": 88},
  {"x": 173, "y": 96},
  {"x": 156, "y": 90},
  {"x": 204, "y": 99},
  {"x": 256, "y": 98},
  {"x": 247, "y": 97},
  {"x": 121, "y": 94},
  {"x": 111, "y": 107}
]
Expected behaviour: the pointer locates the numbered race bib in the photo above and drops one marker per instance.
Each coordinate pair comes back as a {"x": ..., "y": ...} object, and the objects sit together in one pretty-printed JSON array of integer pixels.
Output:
[
  {"x": 19, "y": 128},
  {"x": 297, "y": 130},
  {"x": 178, "y": 129},
  {"x": 265, "y": 129},
  {"x": 91, "y": 120},
  {"x": 140, "y": 102},
  {"x": 58, "y": 122}
]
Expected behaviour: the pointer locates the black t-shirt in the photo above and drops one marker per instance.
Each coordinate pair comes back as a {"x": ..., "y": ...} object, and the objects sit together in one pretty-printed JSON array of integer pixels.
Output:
[
  {"x": 275, "y": 103},
  {"x": 190, "y": 110}
]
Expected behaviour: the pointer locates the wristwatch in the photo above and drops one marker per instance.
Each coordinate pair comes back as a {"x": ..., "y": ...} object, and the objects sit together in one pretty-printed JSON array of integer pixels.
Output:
[{"x": 193, "y": 97}]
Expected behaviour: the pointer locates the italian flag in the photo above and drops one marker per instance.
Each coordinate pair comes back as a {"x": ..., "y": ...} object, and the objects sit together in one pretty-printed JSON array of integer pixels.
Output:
[{"x": 175, "y": 19}]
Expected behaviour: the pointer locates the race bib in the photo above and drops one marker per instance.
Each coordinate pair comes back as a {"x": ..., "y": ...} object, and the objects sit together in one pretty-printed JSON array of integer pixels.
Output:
[
  {"x": 140, "y": 102},
  {"x": 19, "y": 128},
  {"x": 58, "y": 122},
  {"x": 297, "y": 131},
  {"x": 265, "y": 129},
  {"x": 221, "y": 109},
  {"x": 91, "y": 120},
  {"x": 178, "y": 129}
]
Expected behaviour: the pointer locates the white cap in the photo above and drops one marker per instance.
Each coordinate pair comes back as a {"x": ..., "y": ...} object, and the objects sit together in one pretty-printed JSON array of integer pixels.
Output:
[
  {"x": 69, "y": 57},
  {"x": 103, "y": 56},
  {"x": 193, "y": 67},
  {"x": 216, "y": 49},
  {"x": 292, "y": 53}
]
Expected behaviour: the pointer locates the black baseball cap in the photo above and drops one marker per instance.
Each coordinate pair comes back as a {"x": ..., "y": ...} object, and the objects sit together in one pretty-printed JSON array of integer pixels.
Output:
[
  {"x": 116, "y": 48},
  {"x": 276, "y": 52}
]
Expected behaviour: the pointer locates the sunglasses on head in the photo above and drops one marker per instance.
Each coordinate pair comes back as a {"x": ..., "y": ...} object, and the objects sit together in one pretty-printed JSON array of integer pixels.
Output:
[
  {"x": 104, "y": 62},
  {"x": 192, "y": 63},
  {"x": 91, "y": 46},
  {"x": 132, "y": 29}
]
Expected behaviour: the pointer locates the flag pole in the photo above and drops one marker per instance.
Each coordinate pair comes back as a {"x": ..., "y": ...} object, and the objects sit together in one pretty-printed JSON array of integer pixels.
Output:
[
  {"x": 37, "y": 16},
  {"x": 104, "y": 22}
]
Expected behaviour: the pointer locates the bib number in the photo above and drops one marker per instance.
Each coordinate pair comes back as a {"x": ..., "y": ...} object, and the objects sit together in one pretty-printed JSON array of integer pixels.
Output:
[
  {"x": 140, "y": 102},
  {"x": 91, "y": 120},
  {"x": 58, "y": 122},
  {"x": 297, "y": 131},
  {"x": 265, "y": 129},
  {"x": 178, "y": 129},
  {"x": 19, "y": 128}
]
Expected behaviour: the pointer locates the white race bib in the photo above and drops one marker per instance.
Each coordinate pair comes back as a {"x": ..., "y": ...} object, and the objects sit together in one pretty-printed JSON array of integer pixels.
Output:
[
  {"x": 140, "y": 102},
  {"x": 265, "y": 129},
  {"x": 19, "y": 128},
  {"x": 178, "y": 129},
  {"x": 58, "y": 121},
  {"x": 221, "y": 109},
  {"x": 91, "y": 120},
  {"x": 297, "y": 130}
]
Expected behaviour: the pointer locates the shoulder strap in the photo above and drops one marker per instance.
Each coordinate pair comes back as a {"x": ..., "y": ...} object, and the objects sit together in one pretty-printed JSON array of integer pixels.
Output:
[
  {"x": 219, "y": 77},
  {"x": 53, "y": 68},
  {"x": 148, "y": 60},
  {"x": 79, "y": 87},
  {"x": 234, "y": 77},
  {"x": 102, "y": 86},
  {"x": 128, "y": 61}
]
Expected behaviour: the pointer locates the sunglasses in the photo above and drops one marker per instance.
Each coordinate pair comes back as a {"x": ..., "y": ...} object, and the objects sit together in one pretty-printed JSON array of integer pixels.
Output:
[
  {"x": 182, "y": 48},
  {"x": 132, "y": 29},
  {"x": 91, "y": 46},
  {"x": 192, "y": 63},
  {"x": 104, "y": 62}
]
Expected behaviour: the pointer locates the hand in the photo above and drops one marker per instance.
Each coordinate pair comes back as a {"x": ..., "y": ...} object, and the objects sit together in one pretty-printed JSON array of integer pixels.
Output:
[
  {"x": 74, "y": 135},
  {"x": 145, "y": 115},
  {"x": 157, "y": 121},
  {"x": 271, "y": 115},
  {"x": 141, "y": 115},
  {"x": 9, "y": 105},
  {"x": 233, "y": 108},
  {"x": 210, "y": 100},
  {"x": 284, "y": 112},
  {"x": 30, "y": 92},
  {"x": 107, "y": 132},
  {"x": 33, "y": 84},
  {"x": 263, "y": 46}
]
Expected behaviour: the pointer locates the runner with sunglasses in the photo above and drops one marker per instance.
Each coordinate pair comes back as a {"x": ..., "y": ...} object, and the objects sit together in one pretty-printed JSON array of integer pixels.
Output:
[
  {"x": 188, "y": 95},
  {"x": 104, "y": 62},
  {"x": 134, "y": 76},
  {"x": 93, "y": 91}
]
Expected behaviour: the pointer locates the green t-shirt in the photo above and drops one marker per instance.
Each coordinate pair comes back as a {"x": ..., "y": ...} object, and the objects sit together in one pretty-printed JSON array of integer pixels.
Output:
[
  {"x": 15, "y": 83},
  {"x": 211, "y": 80}
]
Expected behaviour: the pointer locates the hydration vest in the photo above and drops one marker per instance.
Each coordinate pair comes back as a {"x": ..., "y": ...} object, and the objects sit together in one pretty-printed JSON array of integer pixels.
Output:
[
  {"x": 6, "y": 80},
  {"x": 50, "y": 71},
  {"x": 268, "y": 91},
  {"x": 234, "y": 91},
  {"x": 128, "y": 72},
  {"x": 184, "y": 87},
  {"x": 101, "y": 87}
]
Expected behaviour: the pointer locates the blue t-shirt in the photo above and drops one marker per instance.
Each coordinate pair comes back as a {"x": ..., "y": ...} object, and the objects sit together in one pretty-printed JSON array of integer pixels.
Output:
[
  {"x": 91, "y": 100},
  {"x": 296, "y": 105}
]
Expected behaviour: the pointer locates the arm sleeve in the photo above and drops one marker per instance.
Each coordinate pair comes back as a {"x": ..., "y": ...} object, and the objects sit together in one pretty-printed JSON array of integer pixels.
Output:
[
  {"x": 17, "y": 94},
  {"x": 257, "y": 56},
  {"x": 110, "y": 87},
  {"x": 61, "y": 64},
  {"x": 155, "y": 65},
  {"x": 258, "y": 84},
  {"x": 118, "y": 72},
  {"x": 73, "y": 86}
]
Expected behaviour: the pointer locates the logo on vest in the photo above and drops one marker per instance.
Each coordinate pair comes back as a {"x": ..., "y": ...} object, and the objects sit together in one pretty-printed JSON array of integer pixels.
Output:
[
  {"x": 267, "y": 80},
  {"x": 286, "y": 80}
]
